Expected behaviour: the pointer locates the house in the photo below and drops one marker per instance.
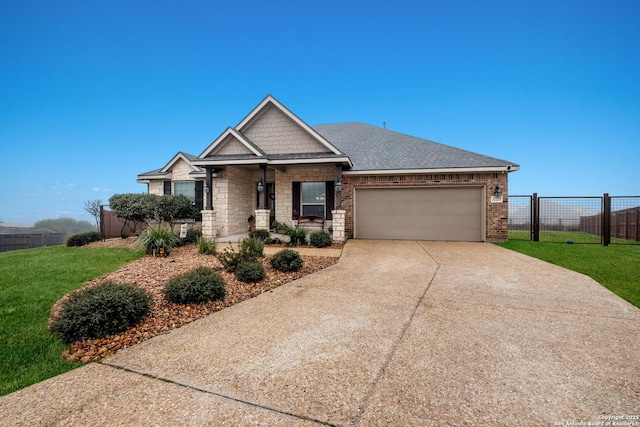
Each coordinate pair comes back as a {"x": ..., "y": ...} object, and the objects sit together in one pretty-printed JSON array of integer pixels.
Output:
[{"x": 352, "y": 179}]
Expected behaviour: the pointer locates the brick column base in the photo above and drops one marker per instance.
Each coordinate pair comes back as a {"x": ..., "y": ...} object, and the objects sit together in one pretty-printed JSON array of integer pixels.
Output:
[
  {"x": 262, "y": 219},
  {"x": 209, "y": 224},
  {"x": 338, "y": 225}
]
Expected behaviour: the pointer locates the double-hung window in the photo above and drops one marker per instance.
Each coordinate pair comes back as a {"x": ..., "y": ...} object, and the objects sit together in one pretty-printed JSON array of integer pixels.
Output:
[
  {"x": 187, "y": 188},
  {"x": 313, "y": 198}
]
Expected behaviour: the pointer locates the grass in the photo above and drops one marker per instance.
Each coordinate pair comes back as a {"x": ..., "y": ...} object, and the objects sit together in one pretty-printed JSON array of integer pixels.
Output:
[
  {"x": 563, "y": 236},
  {"x": 31, "y": 281},
  {"x": 615, "y": 267}
]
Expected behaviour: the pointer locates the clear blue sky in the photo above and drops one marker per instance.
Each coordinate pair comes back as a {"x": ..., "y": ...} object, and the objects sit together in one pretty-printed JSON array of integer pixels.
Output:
[{"x": 93, "y": 93}]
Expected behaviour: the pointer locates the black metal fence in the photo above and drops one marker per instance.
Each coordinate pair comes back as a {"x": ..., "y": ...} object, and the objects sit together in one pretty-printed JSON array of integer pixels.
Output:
[
  {"x": 595, "y": 219},
  {"x": 15, "y": 238}
]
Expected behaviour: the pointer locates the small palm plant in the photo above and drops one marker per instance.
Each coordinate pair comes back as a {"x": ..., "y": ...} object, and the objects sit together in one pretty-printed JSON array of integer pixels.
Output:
[{"x": 157, "y": 241}]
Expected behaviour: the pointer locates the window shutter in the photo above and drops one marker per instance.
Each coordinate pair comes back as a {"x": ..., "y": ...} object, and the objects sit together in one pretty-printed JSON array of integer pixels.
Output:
[
  {"x": 167, "y": 188},
  {"x": 199, "y": 194},
  {"x": 295, "y": 200},
  {"x": 329, "y": 199}
]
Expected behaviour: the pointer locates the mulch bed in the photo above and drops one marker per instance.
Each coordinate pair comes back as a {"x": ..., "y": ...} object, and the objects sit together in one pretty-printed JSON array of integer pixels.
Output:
[{"x": 152, "y": 274}]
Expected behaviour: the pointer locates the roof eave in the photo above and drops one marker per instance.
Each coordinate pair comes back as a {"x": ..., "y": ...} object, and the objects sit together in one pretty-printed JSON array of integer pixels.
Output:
[{"x": 508, "y": 168}]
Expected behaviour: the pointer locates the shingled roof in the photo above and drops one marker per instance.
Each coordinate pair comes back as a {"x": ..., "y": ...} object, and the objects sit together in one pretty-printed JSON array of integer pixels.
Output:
[{"x": 371, "y": 148}]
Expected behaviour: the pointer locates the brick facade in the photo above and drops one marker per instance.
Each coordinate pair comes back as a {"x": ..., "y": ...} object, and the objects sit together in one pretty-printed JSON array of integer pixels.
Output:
[{"x": 495, "y": 213}]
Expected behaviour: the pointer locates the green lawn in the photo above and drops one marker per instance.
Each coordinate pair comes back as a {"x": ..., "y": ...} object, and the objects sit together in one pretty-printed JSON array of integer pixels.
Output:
[
  {"x": 31, "y": 281},
  {"x": 616, "y": 267}
]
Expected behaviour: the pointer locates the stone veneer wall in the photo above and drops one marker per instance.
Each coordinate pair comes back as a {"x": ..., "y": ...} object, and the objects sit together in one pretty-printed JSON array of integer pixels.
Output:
[
  {"x": 283, "y": 182},
  {"x": 496, "y": 222},
  {"x": 233, "y": 194},
  {"x": 156, "y": 187},
  {"x": 180, "y": 171}
]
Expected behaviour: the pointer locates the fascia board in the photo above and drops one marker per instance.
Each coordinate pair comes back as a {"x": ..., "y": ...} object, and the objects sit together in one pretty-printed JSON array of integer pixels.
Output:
[
  {"x": 429, "y": 171},
  {"x": 311, "y": 161},
  {"x": 233, "y": 132},
  {"x": 175, "y": 158}
]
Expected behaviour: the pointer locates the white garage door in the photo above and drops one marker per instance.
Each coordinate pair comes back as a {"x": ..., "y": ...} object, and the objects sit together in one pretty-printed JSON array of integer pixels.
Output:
[{"x": 436, "y": 213}]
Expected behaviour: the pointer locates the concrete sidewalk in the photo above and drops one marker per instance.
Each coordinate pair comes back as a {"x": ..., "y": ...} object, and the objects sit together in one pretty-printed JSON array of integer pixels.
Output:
[{"x": 396, "y": 333}]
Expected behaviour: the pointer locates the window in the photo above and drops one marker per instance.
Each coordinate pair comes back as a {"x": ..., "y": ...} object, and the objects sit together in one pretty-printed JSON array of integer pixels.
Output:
[
  {"x": 187, "y": 188},
  {"x": 313, "y": 198}
]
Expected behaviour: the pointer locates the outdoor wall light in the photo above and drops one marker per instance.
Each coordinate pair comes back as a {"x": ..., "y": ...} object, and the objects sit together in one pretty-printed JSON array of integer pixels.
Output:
[
  {"x": 339, "y": 186},
  {"x": 260, "y": 186},
  {"x": 497, "y": 192},
  {"x": 206, "y": 187}
]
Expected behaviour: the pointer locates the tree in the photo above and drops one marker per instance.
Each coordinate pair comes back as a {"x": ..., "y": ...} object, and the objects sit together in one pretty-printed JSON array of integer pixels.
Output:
[
  {"x": 93, "y": 207},
  {"x": 141, "y": 208},
  {"x": 132, "y": 208},
  {"x": 65, "y": 225}
]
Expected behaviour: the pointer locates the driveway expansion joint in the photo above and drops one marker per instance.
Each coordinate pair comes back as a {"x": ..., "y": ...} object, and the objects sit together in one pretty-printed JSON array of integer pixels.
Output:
[
  {"x": 396, "y": 344},
  {"x": 213, "y": 393}
]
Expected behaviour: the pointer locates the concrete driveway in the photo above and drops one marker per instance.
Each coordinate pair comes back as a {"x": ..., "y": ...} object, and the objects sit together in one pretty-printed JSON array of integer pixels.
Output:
[{"x": 396, "y": 333}]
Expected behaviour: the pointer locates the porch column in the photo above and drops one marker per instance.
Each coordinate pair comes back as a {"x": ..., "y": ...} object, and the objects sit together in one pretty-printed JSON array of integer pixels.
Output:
[
  {"x": 209, "y": 224},
  {"x": 262, "y": 219},
  {"x": 337, "y": 203},
  {"x": 262, "y": 200},
  {"x": 208, "y": 190},
  {"x": 338, "y": 225}
]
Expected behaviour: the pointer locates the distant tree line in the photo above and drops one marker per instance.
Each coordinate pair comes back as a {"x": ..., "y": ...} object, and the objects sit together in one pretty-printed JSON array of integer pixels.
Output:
[{"x": 65, "y": 225}]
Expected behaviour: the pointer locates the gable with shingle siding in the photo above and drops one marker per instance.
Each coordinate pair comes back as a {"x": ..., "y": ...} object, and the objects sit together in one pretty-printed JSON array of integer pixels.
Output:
[
  {"x": 231, "y": 147},
  {"x": 275, "y": 133}
]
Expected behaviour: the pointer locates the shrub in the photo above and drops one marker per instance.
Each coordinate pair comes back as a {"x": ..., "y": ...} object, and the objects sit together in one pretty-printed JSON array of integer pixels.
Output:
[
  {"x": 320, "y": 239},
  {"x": 286, "y": 260},
  {"x": 207, "y": 247},
  {"x": 250, "y": 250},
  {"x": 193, "y": 236},
  {"x": 298, "y": 235},
  {"x": 196, "y": 286},
  {"x": 262, "y": 235},
  {"x": 83, "y": 238},
  {"x": 250, "y": 271},
  {"x": 155, "y": 238},
  {"x": 101, "y": 310}
]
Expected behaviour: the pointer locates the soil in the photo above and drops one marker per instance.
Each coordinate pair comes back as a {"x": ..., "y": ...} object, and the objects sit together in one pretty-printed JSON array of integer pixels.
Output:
[{"x": 152, "y": 273}]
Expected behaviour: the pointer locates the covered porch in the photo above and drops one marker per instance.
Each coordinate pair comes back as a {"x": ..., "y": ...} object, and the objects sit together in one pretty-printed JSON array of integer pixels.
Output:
[{"x": 235, "y": 190}]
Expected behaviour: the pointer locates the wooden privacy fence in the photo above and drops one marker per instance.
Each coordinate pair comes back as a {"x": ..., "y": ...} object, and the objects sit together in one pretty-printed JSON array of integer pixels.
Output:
[
  {"x": 111, "y": 226},
  {"x": 593, "y": 219},
  {"x": 625, "y": 224}
]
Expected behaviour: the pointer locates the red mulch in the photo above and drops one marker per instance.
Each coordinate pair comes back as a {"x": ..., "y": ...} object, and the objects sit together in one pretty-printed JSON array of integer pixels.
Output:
[{"x": 152, "y": 274}]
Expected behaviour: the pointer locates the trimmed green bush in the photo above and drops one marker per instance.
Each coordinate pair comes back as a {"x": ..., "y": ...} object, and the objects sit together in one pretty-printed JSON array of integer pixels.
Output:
[
  {"x": 207, "y": 247},
  {"x": 83, "y": 238},
  {"x": 101, "y": 310},
  {"x": 286, "y": 260},
  {"x": 250, "y": 271},
  {"x": 320, "y": 239},
  {"x": 196, "y": 286},
  {"x": 262, "y": 235}
]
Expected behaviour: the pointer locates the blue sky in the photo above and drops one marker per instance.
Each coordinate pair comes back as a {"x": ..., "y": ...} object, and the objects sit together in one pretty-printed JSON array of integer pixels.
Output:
[{"x": 94, "y": 93}]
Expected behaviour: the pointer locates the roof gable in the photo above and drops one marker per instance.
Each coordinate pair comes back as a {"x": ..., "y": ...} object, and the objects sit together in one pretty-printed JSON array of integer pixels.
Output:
[
  {"x": 231, "y": 142},
  {"x": 180, "y": 156},
  {"x": 276, "y": 130}
]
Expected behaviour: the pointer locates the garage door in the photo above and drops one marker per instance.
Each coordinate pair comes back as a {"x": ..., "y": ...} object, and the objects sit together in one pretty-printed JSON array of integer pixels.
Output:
[{"x": 442, "y": 213}]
